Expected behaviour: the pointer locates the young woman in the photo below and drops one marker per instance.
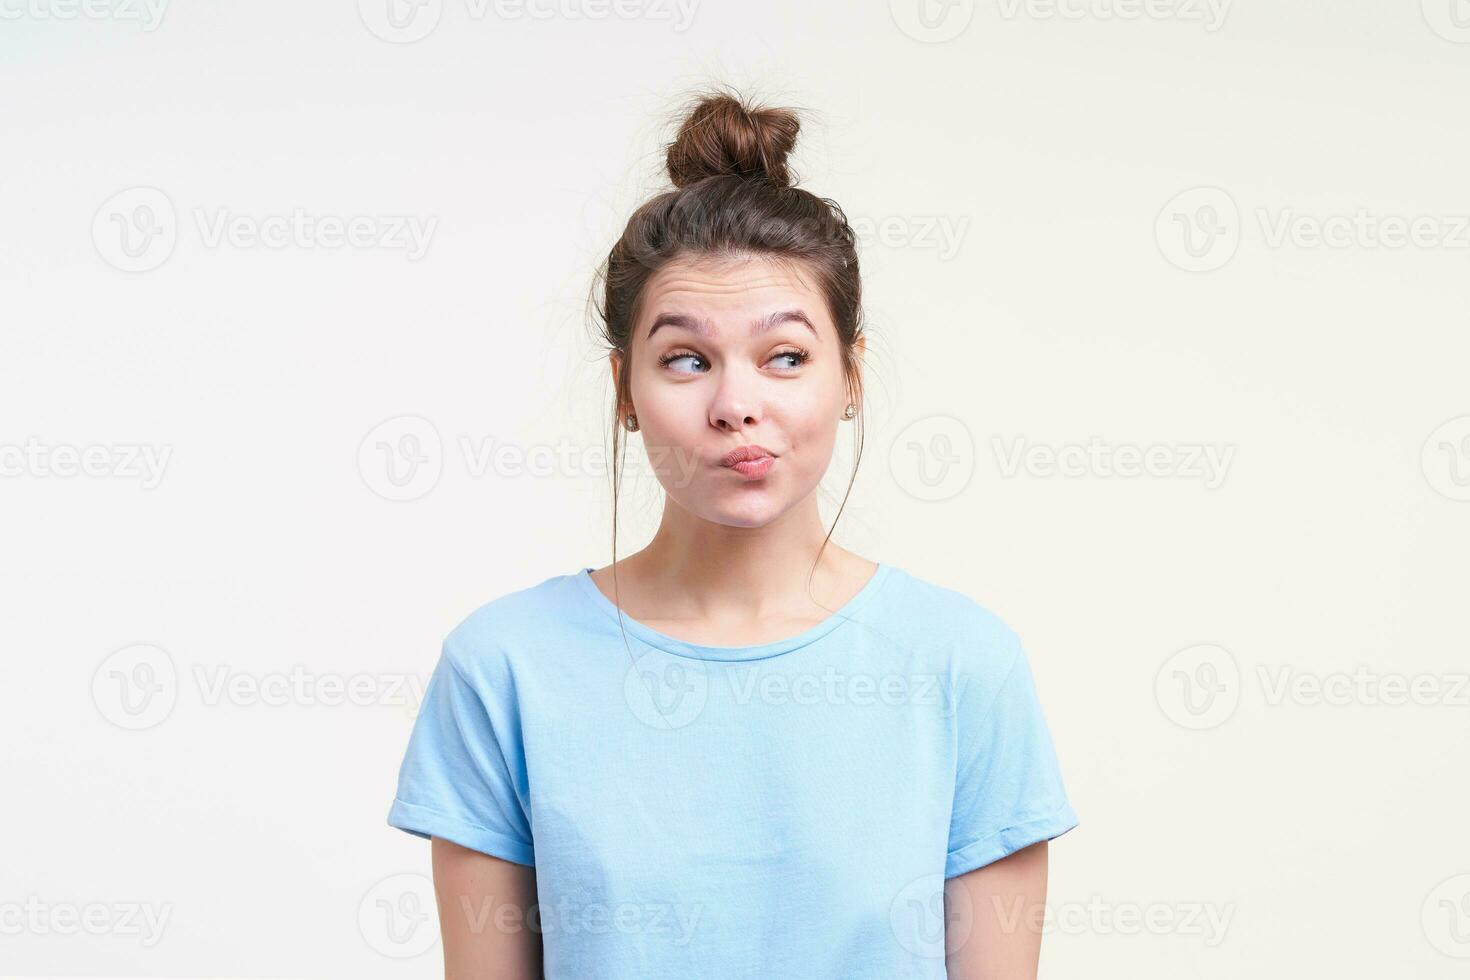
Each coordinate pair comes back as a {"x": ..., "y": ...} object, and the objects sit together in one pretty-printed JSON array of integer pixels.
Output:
[{"x": 742, "y": 751}]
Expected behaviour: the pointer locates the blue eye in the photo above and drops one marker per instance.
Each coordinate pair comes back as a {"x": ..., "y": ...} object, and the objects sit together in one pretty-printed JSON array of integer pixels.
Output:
[
  {"x": 673, "y": 356},
  {"x": 800, "y": 356}
]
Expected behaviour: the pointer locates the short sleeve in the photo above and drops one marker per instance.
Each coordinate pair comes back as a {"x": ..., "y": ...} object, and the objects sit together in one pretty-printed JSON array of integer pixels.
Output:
[
  {"x": 1008, "y": 784},
  {"x": 463, "y": 776}
]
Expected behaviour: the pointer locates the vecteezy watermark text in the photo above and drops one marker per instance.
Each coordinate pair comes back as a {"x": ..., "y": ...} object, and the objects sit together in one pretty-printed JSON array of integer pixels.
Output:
[
  {"x": 37, "y": 917},
  {"x": 403, "y": 458},
  {"x": 406, "y": 21},
  {"x": 1101, "y": 917},
  {"x": 937, "y": 21},
  {"x": 119, "y": 460},
  {"x": 1210, "y": 14},
  {"x": 1201, "y": 229},
  {"x": 137, "y": 230},
  {"x": 1188, "y": 461},
  {"x": 942, "y": 234},
  {"x": 407, "y": 233},
  {"x": 675, "y": 920},
  {"x": 669, "y": 692},
  {"x": 138, "y": 686},
  {"x": 1200, "y": 687},
  {"x": 149, "y": 13}
]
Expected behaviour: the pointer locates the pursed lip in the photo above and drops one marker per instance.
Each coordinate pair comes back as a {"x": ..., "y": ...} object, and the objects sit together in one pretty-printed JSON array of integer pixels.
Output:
[{"x": 744, "y": 454}]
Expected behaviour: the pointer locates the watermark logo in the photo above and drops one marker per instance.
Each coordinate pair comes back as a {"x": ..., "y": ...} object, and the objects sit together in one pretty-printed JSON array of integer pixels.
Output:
[
  {"x": 401, "y": 458},
  {"x": 664, "y": 691},
  {"x": 1199, "y": 687},
  {"x": 400, "y": 21},
  {"x": 933, "y": 458},
  {"x": 928, "y": 923},
  {"x": 1445, "y": 459},
  {"x": 136, "y": 229},
  {"x": 396, "y": 916},
  {"x": 1445, "y": 917},
  {"x": 136, "y": 687},
  {"x": 1198, "y": 230},
  {"x": 1450, "y": 19},
  {"x": 932, "y": 21}
]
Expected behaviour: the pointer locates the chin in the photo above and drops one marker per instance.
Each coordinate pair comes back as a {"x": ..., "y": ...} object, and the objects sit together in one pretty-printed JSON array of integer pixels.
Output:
[{"x": 751, "y": 514}]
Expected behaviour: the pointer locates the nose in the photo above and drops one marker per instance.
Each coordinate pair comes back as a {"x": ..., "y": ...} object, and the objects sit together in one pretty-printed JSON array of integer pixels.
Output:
[{"x": 736, "y": 403}]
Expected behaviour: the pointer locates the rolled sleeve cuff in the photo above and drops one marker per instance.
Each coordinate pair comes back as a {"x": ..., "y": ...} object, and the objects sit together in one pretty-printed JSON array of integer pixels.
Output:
[
  {"x": 992, "y": 848},
  {"x": 424, "y": 822}
]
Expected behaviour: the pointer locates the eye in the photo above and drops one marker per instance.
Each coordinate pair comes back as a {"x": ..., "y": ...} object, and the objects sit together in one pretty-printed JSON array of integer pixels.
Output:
[
  {"x": 679, "y": 355},
  {"x": 795, "y": 359},
  {"x": 798, "y": 357}
]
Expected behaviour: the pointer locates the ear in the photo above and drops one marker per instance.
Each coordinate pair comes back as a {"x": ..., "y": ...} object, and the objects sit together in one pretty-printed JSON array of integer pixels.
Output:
[
  {"x": 859, "y": 349},
  {"x": 615, "y": 364}
]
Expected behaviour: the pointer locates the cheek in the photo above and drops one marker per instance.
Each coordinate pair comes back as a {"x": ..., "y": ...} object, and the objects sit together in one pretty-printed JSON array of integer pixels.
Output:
[
  {"x": 810, "y": 431},
  {"x": 812, "y": 410},
  {"x": 663, "y": 404},
  {"x": 673, "y": 412}
]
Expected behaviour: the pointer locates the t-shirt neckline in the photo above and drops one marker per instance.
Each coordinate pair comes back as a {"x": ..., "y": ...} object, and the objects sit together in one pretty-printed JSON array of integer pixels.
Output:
[{"x": 669, "y": 644}]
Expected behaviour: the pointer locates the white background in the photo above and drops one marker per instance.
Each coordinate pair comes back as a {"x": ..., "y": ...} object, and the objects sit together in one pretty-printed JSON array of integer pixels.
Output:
[{"x": 1064, "y": 149}]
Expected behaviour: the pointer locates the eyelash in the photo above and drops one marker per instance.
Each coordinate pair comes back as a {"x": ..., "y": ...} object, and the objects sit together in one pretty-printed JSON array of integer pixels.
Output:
[{"x": 801, "y": 354}]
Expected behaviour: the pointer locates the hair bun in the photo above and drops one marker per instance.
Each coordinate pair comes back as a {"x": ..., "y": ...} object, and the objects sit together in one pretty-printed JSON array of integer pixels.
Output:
[{"x": 722, "y": 134}]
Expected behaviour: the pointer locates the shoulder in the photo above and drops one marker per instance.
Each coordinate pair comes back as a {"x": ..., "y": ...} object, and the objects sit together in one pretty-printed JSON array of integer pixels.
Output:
[
  {"x": 977, "y": 641},
  {"x": 481, "y": 643},
  {"x": 948, "y": 612}
]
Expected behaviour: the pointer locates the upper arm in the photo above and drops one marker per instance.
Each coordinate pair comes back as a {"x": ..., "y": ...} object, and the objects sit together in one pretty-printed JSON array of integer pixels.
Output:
[
  {"x": 1009, "y": 801},
  {"x": 463, "y": 785},
  {"x": 1008, "y": 791},
  {"x": 994, "y": 916},
  {"x": 485, "y": 914},
  {"x": 464, "y": 776}
]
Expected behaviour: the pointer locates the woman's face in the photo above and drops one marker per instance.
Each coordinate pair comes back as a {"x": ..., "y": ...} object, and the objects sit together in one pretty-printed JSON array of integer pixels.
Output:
[{"x": 732, "y": 353}]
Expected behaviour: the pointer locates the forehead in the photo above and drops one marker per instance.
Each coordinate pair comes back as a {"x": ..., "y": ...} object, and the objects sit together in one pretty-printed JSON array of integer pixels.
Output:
[{"x": 731, "y": 291}]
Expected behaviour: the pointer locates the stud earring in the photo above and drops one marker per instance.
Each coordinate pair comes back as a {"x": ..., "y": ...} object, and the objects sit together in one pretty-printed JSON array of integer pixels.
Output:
[
  {"x": 850, "y": 411},
  {"x": 631, "y": 422}
]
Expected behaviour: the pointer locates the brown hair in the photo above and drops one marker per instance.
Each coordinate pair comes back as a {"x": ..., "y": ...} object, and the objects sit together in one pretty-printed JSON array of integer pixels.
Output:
[{"x": 733, "y": 196}]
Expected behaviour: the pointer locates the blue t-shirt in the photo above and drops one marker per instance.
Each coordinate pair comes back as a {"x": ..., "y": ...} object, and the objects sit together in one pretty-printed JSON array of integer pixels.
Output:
[{"x": 789, "y": 809}]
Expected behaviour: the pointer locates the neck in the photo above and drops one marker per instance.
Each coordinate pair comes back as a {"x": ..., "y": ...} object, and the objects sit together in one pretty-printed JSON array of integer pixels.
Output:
[{"x": 736, "y": 571}]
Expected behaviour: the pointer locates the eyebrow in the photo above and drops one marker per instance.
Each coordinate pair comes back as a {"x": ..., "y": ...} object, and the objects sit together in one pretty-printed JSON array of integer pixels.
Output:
[{"x": 704, "y": 328}]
